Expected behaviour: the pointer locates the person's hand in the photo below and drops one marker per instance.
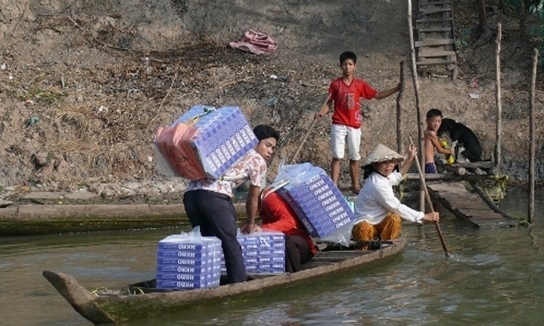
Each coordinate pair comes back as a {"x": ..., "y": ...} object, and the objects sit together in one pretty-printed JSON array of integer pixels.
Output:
[
  {"x": 248, "y": 227},
  {"x": 432, "y": 217},
  {"x": 412, "y": 151},
  {"x": 257, "y": 229},
  {"x": 318, "y": 115},
  {"x": 398, "y": 87}
]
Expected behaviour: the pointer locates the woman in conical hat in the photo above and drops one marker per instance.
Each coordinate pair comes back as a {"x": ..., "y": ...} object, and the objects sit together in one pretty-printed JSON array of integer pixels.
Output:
[{"x": 377, "y": 210}]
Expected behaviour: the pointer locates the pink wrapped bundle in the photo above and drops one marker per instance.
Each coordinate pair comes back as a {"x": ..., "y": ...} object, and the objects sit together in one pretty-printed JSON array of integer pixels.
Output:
[{"x": 174, "y": 146}]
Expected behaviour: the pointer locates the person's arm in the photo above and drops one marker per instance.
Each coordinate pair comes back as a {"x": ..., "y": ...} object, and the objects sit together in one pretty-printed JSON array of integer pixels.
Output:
[
  {"x": 383, "y": 94},
  {"x": 432, "y": 217},
  {"x": 433, "y": 138},
  {"x": 252, "y": 208},
  {"x": 257, "y": 173},
  {"x": 325, "y": 109},
  {"x": 405, "y": 166},
  {"x": 386, "y": 198}
]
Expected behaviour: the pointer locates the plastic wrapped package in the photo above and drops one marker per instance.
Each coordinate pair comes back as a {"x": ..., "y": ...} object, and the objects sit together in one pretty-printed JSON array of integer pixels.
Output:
[
  {"x": 318, "y": 203},
  {"x": 188, "y": 261},
  {"x": 204, "y": 142}
]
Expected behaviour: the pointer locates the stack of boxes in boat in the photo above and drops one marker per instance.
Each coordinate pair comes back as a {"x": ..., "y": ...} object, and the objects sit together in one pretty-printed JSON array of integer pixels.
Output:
[
  {"x": 185, "y": 262},
  {"x": 223, "y": 136},
  {"x": 318, "y": 203},
  {"x": 264, "y": 252}
]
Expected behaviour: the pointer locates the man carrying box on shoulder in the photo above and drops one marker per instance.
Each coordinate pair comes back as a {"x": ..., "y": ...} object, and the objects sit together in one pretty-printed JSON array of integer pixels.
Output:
[{"x": 208, "y": 203}]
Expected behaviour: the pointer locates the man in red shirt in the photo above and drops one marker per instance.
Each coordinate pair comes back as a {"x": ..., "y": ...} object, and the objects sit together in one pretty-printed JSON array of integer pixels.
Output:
[
  {"x": 277, "y": 215},
  {"x": 346, "y": 92}
]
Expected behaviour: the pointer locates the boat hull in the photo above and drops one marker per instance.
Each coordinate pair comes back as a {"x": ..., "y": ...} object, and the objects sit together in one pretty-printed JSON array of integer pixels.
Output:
[{"x": 101, "y": 309}]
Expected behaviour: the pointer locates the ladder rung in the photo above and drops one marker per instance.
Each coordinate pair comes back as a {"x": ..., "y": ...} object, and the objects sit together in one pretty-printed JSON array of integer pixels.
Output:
[
  {"x": 433, "y": 29},
  {"x": 433, "y": 42},
  {"x": 436, "y": 3},
  {"x": 434, "y": 20},
  {"x": 430, "y": 11},
  {"x": 430, "y": 53},
  {"x": 435, "y": 62}
]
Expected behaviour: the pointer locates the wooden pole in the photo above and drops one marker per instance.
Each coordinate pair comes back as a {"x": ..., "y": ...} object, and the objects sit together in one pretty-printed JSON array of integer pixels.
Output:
[
  {"x": 416, "y": 89},
  {"x": 522, "y": 20},
  {"x": 498, "y": 97},
  {"x": 400, "y": 141},
  {"x": 426, "y": 191},
  {"x": 482, "y": 17},
  {"x": 307, "y": 133},
  {"x": 532, "y": 145}
]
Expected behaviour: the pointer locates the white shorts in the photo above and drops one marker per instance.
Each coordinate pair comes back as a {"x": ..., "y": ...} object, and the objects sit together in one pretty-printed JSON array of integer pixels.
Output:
[{"x": 339, "y": 135}]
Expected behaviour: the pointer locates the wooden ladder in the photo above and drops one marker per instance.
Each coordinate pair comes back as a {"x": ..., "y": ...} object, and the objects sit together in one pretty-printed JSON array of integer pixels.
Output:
[{"x": 435, "y": 44}]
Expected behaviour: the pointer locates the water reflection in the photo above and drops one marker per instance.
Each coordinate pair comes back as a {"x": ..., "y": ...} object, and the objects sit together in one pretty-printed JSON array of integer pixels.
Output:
[{"x": 493, "y": 278}]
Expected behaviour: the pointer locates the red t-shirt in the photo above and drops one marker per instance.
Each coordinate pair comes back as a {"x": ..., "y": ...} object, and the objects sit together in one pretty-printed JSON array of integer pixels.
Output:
[
  {"x": 347, "y": 105},
  {"x": 277, "y": 215}
]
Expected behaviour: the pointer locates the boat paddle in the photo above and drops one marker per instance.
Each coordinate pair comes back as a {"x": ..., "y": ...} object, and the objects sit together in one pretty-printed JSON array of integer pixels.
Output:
[
  {"x": 307, "y": 133},
  {"x": 424, "y": 186}
]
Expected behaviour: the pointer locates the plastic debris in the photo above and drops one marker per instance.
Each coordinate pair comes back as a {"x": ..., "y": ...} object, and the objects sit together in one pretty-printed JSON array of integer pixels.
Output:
[
  {"x": 31, "y": 122},
  {"x": 102, "y": 109},
  {"x": 474, "y": 83},
  {"x": 272, "y": 102}
]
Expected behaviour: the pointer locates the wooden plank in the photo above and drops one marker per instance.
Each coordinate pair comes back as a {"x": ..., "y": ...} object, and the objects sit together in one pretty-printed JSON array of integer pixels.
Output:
[
  {"x": 446, "y": 177},
  {"x": 430, "y": 53},
  {"x": 433, "y": 20},
  {"x": 436, "y": 62},
  {"x": 473, "y": 165},
  {"x": 430, "y": 11},
  {"x": 433, "y": 3},
  {"x": 434, "y": 29},
  {"x": 433, "y": 42},
  {"x": 466, "y": 205}
]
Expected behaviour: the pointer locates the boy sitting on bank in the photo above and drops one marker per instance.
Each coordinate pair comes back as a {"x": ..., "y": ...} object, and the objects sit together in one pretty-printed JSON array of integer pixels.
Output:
[{"x": 431, "y": 141}]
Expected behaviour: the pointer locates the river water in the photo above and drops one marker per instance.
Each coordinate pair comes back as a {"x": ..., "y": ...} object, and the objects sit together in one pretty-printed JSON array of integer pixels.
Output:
[{"x": 494, "y": 278}]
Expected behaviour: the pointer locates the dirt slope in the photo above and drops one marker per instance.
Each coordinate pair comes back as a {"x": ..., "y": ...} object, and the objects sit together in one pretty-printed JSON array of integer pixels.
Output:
[{"x": 85, "y": 84}]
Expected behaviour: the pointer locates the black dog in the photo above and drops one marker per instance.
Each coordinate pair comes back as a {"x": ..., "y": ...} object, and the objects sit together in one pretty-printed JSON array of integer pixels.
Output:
[{"x": 464, "y": 137}]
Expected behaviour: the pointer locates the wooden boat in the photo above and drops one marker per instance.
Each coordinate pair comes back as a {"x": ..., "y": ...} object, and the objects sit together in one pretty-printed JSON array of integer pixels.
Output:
[{"x": 123, "y": 305}]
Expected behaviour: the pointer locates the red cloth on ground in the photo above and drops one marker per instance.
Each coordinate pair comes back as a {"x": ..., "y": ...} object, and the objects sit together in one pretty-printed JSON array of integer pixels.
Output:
[
  {"x": 277, "y": 215},
  {"x": 347, "y": 104},
  {"x": 255, "y": 42}
]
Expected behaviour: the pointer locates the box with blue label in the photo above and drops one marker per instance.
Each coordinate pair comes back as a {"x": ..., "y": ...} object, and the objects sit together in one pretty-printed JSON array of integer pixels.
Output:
[
  {"x": 315, "y": 199},
  {"x": 186, "y": 285},
  {"x": 204, "y": 142},
  {"x": 188, "y": 262},
  {"x": 261, "y": 250}
]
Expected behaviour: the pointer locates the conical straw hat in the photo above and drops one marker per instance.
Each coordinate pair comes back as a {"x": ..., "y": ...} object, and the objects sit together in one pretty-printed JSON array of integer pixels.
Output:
[{"x": 382, "y": 154}]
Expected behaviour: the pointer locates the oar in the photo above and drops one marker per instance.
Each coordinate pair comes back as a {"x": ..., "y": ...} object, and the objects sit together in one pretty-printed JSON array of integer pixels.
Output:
[
  {"x": 422, "y": 178},
  {"x": 307, "y": 133}
]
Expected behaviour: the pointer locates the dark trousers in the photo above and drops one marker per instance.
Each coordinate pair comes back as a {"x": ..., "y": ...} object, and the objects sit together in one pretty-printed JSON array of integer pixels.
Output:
[
  {"x": 297, "y": 252},
  {"x": 216, "y": 216}
]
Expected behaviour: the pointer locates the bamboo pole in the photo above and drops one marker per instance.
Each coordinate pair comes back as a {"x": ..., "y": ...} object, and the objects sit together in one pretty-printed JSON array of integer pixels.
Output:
[
  {"x": 428, "y": 197},
  {"x": 498, "y": 97},
  {"x": 400, "y": 142},
  {"x": 293, "y": 159},
  {"x": 532, "y": 145},
  {"x": 416, "y": 89}
]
